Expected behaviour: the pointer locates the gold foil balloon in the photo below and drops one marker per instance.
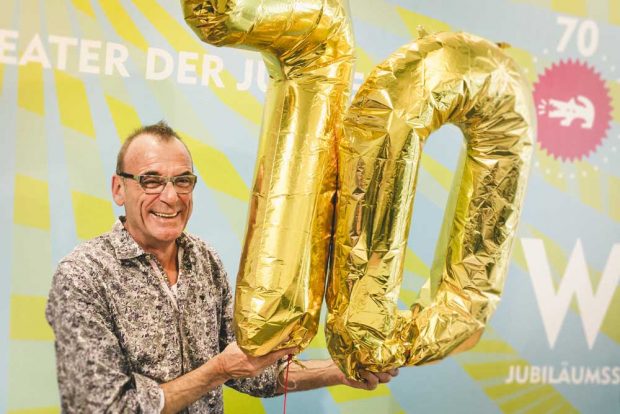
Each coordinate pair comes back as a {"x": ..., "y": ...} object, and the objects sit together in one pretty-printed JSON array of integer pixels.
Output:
[
  {"x": 441, "y": 78},
  {"x": 307, "y": 46}
]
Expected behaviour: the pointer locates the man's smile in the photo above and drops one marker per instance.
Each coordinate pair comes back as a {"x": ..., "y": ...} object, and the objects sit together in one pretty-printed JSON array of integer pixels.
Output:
[{"x": 165, "y": 215}]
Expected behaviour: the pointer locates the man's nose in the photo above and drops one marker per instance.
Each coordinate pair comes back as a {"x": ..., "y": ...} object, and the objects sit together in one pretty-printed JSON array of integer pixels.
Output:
[{"x": 169, "y": 193}]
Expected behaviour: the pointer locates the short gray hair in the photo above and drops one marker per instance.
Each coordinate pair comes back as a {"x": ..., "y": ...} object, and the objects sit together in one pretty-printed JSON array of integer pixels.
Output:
[{"x": 161, "y": 130}]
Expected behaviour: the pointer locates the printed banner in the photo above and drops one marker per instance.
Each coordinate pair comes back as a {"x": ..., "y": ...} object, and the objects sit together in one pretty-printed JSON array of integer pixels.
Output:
[{"x": 76, "y": 76}]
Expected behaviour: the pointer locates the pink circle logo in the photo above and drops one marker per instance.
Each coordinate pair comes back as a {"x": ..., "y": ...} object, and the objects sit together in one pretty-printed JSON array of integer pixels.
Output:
[{"x": 574, "y": 110}]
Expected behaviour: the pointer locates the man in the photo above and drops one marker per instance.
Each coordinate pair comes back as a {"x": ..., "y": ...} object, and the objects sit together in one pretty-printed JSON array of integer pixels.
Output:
[{"x": 143, "y": 314}]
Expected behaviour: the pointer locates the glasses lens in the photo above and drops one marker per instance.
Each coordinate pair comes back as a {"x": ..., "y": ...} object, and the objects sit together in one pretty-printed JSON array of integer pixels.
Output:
[
  {"x": 184, "y": 184},
  {"x": 152, "y": 184}
]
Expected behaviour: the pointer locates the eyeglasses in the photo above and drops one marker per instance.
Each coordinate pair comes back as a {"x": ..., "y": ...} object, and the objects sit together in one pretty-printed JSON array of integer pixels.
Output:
[{"x": 155, "y": 184}]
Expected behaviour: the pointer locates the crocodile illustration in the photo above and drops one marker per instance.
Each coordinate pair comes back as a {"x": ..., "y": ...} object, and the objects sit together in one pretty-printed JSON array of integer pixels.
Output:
[{"x": 578, "y": 107}]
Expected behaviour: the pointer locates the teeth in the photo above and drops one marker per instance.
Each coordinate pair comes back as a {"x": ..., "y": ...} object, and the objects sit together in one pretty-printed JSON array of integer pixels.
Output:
[{"x": 165, "y": 215}]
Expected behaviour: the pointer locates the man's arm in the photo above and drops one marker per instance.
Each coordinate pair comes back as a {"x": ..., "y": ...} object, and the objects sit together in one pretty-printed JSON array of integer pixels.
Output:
[
  {"x": 93, "y": 372},
  {"x": 235, "y": 364},
  {"x": 324, "y": 373},
  {"x": 232, "y": 363}
]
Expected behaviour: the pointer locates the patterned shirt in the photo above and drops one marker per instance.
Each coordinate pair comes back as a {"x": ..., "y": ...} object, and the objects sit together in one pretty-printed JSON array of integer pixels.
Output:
[{"x": 119, "y": 332}]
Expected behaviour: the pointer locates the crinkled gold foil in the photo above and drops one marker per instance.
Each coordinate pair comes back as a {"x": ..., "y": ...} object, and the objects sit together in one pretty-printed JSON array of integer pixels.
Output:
[
  {"x": 442, "y": 78},
  {"x": 308, "y": 49}
]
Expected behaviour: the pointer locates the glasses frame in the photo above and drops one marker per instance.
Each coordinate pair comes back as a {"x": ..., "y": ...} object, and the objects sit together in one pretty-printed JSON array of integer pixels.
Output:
[{"x": 173, "y": 179}]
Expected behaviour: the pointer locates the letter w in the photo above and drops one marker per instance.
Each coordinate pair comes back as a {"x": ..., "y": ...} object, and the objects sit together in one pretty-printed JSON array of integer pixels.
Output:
[{"x": 553, "y": 306}]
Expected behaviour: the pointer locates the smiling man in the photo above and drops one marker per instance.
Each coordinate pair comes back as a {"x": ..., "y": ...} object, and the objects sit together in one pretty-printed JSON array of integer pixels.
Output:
[
  {"x": 143, "y": 314},
  {"x": 156, "y": 213}
]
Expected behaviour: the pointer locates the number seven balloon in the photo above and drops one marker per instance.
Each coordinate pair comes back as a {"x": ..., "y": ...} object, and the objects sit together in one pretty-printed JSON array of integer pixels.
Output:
[
  {"x": 308, "y": 49},
  {"x": 441, "y": 78}
]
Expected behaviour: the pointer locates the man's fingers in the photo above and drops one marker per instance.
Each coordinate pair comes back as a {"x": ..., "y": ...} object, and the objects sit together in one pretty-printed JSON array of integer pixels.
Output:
[
  {"x": 384, "y": 377},
  {"x": 281, "y": 353},
  {"x": 370, "y": 379},
  {"x": 373, "y": 379}
]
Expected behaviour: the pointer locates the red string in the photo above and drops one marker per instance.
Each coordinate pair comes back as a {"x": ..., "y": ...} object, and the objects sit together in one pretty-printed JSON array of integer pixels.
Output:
[{"x": 288, "y": 364}]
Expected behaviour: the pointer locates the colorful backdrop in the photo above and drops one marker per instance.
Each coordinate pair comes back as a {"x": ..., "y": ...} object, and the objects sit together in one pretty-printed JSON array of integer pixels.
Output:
[{"x": 75, "y": 75}]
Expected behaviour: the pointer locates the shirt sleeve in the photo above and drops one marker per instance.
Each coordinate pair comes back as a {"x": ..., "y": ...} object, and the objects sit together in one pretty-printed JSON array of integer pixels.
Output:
[
  {"x": 93, "y": 373},
  {"x": 264, "y": 384}
]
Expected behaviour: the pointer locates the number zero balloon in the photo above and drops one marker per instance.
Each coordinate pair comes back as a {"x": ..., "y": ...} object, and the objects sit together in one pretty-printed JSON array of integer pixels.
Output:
[{"x": 440, "y": 78}]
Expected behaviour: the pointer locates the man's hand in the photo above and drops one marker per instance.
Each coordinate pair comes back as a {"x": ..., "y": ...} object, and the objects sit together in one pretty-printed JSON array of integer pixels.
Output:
[
  {"x": 317, "y": 374},
  {"x": 370, "y": 379},
  {"x": 234, "y": 363}
]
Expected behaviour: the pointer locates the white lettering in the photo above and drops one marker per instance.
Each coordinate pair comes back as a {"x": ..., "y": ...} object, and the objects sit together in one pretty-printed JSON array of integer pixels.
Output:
[
  {"x": 570, "y": 375},
  {"x": 186, "y": 68},
  {"x": 153, "y": 56},
  {"x": 247, "y": 77},
  {"x": 511, "y": 375},
  {"x": 569, "y": 23},
  {"x": 521, "y": 379},
  {"x": 592, "y": 376},
  {"x": 577, "y": 379},
  {"x": 7, "y": 46},
  {"x": 110, "y": 58},
  {"x": 576, "y": 281},
  {"x": 587, "y": 38},
  {"x": 63, "y": 44},
  {"x": 115, "y": 57},
  {"x": 605, "y": 375},
  {"x": 262, "y": 76},
  {"x": 88, "y": 56},
  {"x": 564, "y": 375},
  {"x": 552, "y": 379},
  {"x": 211, "y": 67},
  {"x": 35, "y": 53}
]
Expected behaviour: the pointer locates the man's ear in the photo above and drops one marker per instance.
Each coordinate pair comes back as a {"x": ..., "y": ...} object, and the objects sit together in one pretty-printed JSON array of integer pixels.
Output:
[{"x": 118, "y": 190}]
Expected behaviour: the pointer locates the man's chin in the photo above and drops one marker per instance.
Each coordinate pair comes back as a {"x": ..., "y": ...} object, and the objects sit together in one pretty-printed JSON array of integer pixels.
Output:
[{"x": 167, "y": 233}]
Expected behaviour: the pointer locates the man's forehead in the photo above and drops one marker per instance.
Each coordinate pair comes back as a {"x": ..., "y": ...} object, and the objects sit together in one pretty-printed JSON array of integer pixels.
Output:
[{"x": 149, "y": 149}]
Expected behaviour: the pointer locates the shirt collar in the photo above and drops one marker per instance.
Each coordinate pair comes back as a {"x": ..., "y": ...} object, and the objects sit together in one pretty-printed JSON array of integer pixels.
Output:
[{"x": 126, "y": 247}]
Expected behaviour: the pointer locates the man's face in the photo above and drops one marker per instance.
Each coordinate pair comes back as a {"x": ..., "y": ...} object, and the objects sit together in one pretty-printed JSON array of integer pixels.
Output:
[{"x": 154, "y": 220}]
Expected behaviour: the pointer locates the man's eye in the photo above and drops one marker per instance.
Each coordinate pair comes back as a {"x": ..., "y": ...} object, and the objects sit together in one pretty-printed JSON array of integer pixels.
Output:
[
  {"x": 151, "y": 182},
  {"x": 184, "y": 181}
]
